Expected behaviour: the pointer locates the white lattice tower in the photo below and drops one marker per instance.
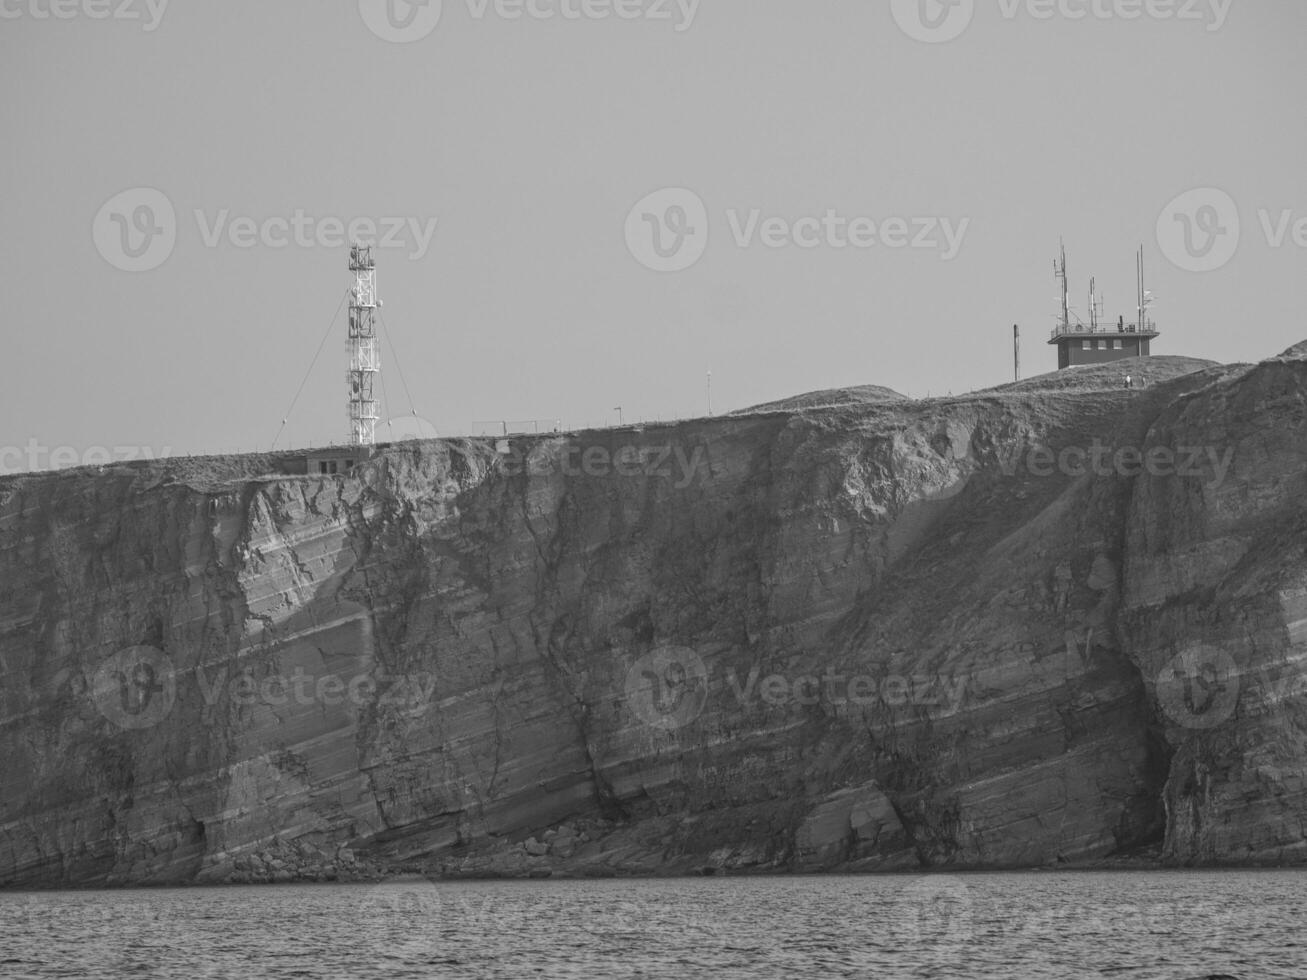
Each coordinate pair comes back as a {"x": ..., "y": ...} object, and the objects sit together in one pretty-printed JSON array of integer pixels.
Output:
[{"x": 364, "y": 353}]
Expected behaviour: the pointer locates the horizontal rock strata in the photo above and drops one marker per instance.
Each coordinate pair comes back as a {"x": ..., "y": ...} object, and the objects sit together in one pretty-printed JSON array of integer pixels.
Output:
[{"x": 1059, "y": 621}]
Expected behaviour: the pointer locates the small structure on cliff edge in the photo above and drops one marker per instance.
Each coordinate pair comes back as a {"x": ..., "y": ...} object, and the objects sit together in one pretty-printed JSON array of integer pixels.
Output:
[{"x": 1096, "y": 342}]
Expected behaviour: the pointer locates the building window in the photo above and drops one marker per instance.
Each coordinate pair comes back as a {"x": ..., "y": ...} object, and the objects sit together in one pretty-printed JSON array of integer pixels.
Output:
[
  {"x": 1116, "y": 345},
  {"x": 1086, "y": 345}
]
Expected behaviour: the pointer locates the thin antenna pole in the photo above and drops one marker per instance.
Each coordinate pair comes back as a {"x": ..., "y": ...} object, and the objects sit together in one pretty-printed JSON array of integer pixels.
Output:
[
  {"x": 1066, "y": 307},
  {"x": 1016, "y": 352},
  {"x": 1139, "y": 280},
  {"x": 1143, "y": 292},
  {"x": 710, "y": 394},
  {"x": 1059, "y": 269}
]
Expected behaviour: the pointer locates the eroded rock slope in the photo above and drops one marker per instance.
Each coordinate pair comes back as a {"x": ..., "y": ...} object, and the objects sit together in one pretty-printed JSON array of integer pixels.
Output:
[{"x": 1055, "y": 621}]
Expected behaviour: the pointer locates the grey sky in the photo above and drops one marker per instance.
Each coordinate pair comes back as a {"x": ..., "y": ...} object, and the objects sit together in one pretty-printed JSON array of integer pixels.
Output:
[{"x": 530, "y": 140}]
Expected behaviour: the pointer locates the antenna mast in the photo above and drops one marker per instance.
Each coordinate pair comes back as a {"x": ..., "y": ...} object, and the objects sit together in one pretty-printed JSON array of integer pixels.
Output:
[
  {"x": 364, "y": 354},
  {"x": 1059, "y": 271},
  {"x": 1144, "y": 300}
]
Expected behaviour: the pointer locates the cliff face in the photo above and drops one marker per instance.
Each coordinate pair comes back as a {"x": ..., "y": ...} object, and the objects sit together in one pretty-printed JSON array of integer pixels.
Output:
[{"x": 1060, "y": 620}]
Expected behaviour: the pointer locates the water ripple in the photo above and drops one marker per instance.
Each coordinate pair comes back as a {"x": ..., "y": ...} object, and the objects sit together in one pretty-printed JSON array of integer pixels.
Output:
[{"x": 1114, "y": 925}]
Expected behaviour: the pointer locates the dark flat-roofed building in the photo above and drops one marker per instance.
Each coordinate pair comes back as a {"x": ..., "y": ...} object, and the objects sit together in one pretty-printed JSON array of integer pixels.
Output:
[
  {"x": 1081, "y": 344},
  {"x": 1098, "y": 342}
]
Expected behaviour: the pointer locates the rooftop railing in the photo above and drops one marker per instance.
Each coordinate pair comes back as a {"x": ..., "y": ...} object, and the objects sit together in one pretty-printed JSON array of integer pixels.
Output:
[{"x": 1085, "y": 329}]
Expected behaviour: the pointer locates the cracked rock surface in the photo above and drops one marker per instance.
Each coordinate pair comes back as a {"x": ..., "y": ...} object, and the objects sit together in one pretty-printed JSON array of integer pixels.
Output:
[{"x": 873, "y": 634}]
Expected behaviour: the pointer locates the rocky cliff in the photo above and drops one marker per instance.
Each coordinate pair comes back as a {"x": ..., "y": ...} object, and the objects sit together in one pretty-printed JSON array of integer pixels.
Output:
[{"x": 1058, "y": 621}]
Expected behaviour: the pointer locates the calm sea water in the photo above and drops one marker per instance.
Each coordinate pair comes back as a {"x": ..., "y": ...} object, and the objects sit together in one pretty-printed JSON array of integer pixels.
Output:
[{"x": 1130, "y": 925}]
